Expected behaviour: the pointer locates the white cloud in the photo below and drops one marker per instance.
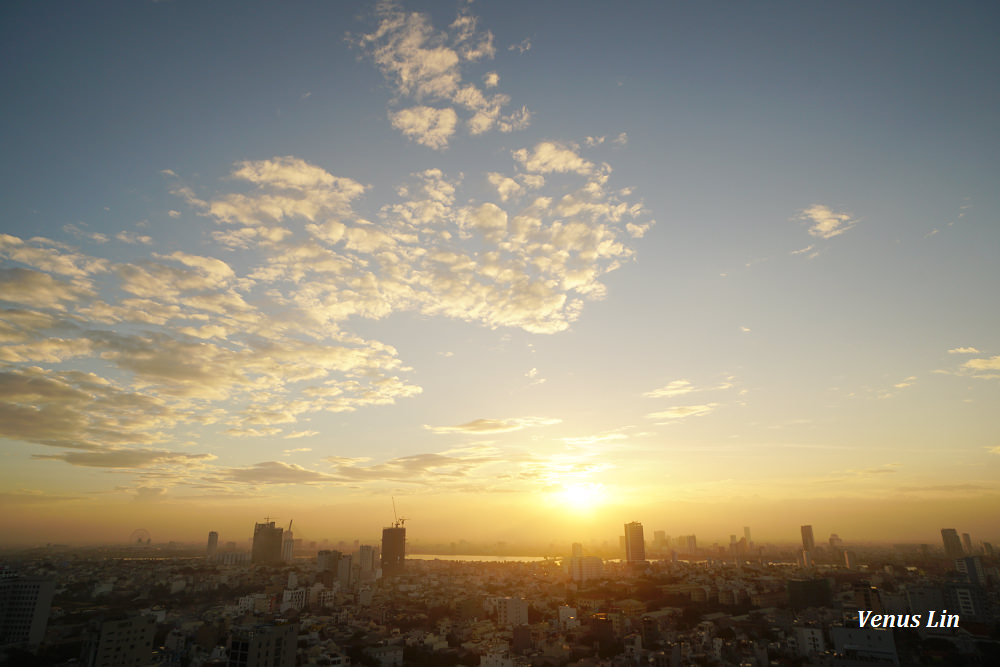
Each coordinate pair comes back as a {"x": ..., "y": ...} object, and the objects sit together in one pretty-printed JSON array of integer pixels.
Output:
[
  {"x": 682, "y": 411},
  {"x": 494, "y": 425},
  {"x": 134, "y": 239},
  {"x": 682, "y": 387},
  {"x": 548, "y": 156},
  {"x": 506, "y": 187},
  {"x": 428, "y": 126},
  {"x": 963, "y": 350},
  {"x": 425, "y": 65},
  {"x": 990, "y": 364},
  {"x": 521, "y": 47},
  {"x": 825, "y": 223},
  {"x": 674, "y": 388}
]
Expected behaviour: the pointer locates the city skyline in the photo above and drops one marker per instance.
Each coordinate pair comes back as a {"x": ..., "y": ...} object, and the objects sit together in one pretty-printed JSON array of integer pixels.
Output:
[{"x": 731, "y": 268}]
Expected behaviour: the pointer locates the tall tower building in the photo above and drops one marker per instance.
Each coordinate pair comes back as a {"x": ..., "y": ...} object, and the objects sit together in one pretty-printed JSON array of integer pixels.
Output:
[
  {"x": 213, "y": 544},
  {"x": 393, "y": 550},
  {"x": 967, "y": 543},
  {"x": 746, "y": 535},
  {"x": 266, "y": 543},
  {"x": 24, "y": 609},
  {"x": 952, "y": 545},
  {"x": 808, "y": 543},
  {"x": 635, "y": 544},
  {"x": 366, "y": 558}
]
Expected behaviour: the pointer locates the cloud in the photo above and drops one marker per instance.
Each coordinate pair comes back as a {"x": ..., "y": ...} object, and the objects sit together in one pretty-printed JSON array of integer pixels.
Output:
[
  {"x": 35, "y": 498},
  {"x": 674, "y": 388},
  {"x": 126, "y": 458},
  {"x": 824, "y": 223},
  {"x": 494, "y": 425},
  {"x": 273, "y": 472},
  {"x": 682, "y": 387},
  {"x": 426, "y": 125},
  {"x": 990, "y": 364},
  {"x": 77, "y": 410},
  {"x": 963, "y": 350},
  {"x": 548, "y": 157},
  {"x": 148, "y": 494},
  {"x": 40, "y": 290},
  {"x": 301, "y": 434},
  {"x": 682, "y": 412},
  {"x": 425, "y": 64},
  {"x": 135, "y": 239},
  {"x": 48, "y": 256},
  {"x": 181, "y": 340},
  {"x": 521, "y": 47}
]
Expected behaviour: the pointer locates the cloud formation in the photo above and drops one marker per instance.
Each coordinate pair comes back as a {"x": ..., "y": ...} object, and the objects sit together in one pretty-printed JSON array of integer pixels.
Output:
[
  {"x": 681, "y": 412},
  {"x": 825, "y": 223},
  {"x": 481, "y": 426},
  {"x": 425, "y": 65}
]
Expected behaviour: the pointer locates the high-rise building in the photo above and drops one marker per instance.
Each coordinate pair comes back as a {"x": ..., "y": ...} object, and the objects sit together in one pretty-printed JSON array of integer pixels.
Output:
[
  {"x": 393, "y": 550},
  {"x": 124, "y": 641},
  {"x": 366, "y": 558},
  {"x": 327, "y": 560},
  {"x": 746, "y": 535},
  {"x": 24, "y": 609},
  {"x": 952, "y": 545},
  {"x": 635, "y": 544},
  {"x": 266, "y": 543},
  {"x": 585, "y": 568},
  {"x": 576, "y": 550},
  {"x": 967, "y": 543},
  {"x": 512, "y": 612},
  {"x": 287, "y": 547},
  {"x": 213, "y": 544},
  {"x": 972, "y": 568},
  {"x": 257, "y": 646},
  {"x": 808, "y": 543}
]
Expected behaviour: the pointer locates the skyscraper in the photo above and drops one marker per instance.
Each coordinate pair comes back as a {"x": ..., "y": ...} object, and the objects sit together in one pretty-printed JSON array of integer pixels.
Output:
[
  {"x": 393, "y": 550},
  {"x": 24, "y": 609},
  {"x": 635, "y": 544},
  {"x": 213, "y": 544},
  {"x": 746, "y": 535},
  {"x": 952, "y": 545},
  {"x": 266, "y": 543},
  {"x": 808, "y": 543},
  {"x": 366, "y": 558}
]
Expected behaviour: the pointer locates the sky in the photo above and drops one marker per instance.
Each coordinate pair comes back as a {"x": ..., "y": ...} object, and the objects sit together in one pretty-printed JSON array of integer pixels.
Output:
[{"x": 531, "y": 269}]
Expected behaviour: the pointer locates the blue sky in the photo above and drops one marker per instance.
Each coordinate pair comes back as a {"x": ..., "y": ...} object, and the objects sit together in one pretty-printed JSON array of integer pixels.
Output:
[{"x": 501, "y": 259}]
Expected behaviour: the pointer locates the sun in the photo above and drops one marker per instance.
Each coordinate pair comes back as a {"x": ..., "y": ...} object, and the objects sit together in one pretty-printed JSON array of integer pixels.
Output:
[{"x": 581, "y": 497}]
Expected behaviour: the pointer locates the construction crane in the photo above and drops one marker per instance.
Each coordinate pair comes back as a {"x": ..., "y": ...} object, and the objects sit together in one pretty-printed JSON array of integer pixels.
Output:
[{"x": 399, "y": 520}]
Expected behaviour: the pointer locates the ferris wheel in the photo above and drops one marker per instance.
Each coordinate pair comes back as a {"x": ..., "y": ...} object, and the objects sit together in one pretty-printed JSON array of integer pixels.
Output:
[{"x": 140, "y": 538}]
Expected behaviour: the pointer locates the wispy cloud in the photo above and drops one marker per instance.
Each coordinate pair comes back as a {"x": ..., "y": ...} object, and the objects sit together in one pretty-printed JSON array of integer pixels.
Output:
[
  {"x": 494, "y": 425},
  {"x": 681, "y": 412},
  {"x": 825, "y": 223},
  {"x": 682, "y": 387}
]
